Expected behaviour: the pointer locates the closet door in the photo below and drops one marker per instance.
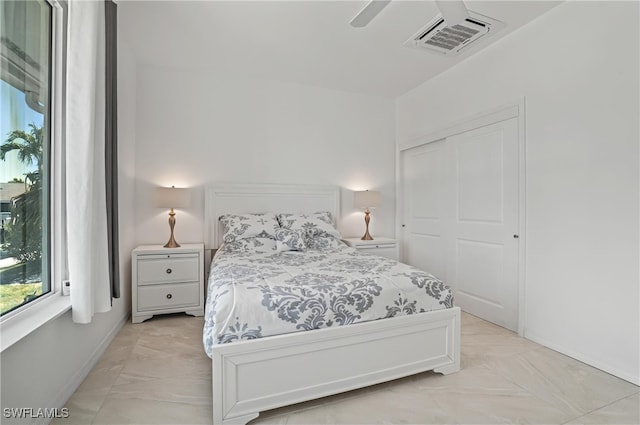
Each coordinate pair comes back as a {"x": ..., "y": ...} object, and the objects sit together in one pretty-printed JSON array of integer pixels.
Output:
[
  {"x": 460, "y": 217},
  {"x": 483, "y": 265},
  {"x": 424, "y": 206}
]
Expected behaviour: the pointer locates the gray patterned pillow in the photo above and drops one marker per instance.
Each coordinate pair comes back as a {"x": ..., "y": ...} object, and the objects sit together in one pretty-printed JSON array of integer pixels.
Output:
[
  {"x": 243, "y": 226},
  {"x": 323, "y": 242},
  {"x": 315, "y": 224},
  {"x": 257, "y": 245},
  {"x": 289, "y": 240}
]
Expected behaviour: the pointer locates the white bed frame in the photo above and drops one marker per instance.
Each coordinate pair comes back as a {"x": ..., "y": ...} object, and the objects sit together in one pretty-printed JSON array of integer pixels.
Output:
[{"x": 262, "y": 374}]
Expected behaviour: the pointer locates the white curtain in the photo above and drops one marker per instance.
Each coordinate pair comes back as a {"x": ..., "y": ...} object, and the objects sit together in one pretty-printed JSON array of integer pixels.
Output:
[{"x": 85, "y": 164}]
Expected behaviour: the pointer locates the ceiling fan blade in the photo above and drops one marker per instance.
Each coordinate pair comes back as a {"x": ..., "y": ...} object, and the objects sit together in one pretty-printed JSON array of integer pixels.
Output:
[
  {"x": 368, "y": 13},
  {"x": 453, "y": 11}
]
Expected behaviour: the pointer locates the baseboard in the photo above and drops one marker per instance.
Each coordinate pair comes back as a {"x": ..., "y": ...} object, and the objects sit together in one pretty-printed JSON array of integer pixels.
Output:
[
  {"x": 584, "y": 359},
  {"x": 66, "y": 392}
]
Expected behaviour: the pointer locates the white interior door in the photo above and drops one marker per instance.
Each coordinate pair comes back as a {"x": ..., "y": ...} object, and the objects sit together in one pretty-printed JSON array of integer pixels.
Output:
[
  {"x": 461, "y": 217},
  {"x": 423, "y": 228},
  {"x": 483, "y": 267}
]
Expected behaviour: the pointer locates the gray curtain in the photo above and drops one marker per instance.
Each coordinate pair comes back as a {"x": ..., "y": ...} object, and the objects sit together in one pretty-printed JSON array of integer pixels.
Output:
[{"x": 111, "y": 143}]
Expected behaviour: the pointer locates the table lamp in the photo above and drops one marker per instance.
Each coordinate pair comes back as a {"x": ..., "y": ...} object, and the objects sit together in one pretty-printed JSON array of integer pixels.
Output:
[
  {"x": 366, "y": 199},
  {"x": 172, "y": 197}
]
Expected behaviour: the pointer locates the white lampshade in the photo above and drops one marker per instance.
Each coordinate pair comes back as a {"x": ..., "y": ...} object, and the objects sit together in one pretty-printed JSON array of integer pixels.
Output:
[
  {"x": 366, "y": 199},
  {"x": 172, "y": 197}
]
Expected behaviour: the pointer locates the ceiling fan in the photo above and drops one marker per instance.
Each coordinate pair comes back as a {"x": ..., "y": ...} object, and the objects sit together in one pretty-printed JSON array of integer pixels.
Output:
[{"x": 453, "y": 12}]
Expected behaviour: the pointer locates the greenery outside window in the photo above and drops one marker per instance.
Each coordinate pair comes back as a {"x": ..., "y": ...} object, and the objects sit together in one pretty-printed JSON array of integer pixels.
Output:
[{"x": 26, "y": 45}]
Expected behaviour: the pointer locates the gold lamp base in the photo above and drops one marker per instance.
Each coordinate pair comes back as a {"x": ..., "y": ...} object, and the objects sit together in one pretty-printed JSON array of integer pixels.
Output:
[
  {"x": 172, "y": 222},
  {"x": 367, "y": 236}
]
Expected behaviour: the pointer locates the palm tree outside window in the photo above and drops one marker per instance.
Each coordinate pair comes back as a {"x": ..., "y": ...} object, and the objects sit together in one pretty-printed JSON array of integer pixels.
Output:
[{"x": 25, "y": 74}]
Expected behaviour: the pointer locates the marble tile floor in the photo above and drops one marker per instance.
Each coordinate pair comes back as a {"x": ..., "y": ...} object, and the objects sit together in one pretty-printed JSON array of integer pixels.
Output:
[{"x": 156, "y": 372}]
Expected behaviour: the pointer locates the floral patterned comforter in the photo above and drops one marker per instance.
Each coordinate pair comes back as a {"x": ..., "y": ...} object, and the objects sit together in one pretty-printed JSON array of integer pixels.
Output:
[{"x": 258, "y": 294}]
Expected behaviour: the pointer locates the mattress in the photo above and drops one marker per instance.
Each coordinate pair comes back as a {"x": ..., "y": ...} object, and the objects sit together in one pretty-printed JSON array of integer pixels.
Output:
[{"x": 255, "y": 294}]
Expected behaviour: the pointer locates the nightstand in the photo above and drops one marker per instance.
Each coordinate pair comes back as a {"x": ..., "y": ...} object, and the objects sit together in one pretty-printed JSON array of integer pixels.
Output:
[
  {"x": 167, "y": 280},
  {"x": 384, "y": 247}
]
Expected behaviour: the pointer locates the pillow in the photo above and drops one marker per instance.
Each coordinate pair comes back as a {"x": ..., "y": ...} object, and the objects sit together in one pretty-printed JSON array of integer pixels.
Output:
[
  {"x": 243, "y": 226},
  {"x": 252, "y": 245},
  {"x": 323, "y": 242},
  {"x": 289, "y": 240},
  {"x": 319, "y": 223}
]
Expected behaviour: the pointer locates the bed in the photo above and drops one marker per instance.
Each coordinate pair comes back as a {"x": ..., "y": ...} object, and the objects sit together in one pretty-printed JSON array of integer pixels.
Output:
[{"x": 270, "y": 347}]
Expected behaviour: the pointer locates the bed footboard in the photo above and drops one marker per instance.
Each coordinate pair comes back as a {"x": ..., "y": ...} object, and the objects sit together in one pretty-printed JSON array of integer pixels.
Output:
[{"x": 262, "y": 374}]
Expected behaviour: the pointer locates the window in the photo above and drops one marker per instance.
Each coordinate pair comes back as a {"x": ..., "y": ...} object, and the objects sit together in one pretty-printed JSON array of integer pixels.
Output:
[{"x": 26, "y": 52}]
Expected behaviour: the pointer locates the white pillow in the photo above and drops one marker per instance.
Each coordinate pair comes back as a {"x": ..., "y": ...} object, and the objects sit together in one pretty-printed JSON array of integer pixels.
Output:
[
  {"x": 243, "y": 226},
  {"x": 315, "y": 224}
]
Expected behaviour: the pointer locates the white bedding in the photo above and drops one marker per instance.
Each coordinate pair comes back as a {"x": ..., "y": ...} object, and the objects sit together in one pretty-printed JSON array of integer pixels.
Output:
[{"x": 254, "y": 293}]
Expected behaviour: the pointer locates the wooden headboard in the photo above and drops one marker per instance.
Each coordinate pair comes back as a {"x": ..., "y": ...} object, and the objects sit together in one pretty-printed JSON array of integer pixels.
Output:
[{"x": 260, "y": 198}]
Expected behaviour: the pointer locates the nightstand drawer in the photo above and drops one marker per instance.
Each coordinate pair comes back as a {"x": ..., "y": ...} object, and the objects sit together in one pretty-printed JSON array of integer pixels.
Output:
[
  {"x": 378, "y": 246},
  {"x": 383, "y": 247},
  {"x": 160, "y": 269},
  {"x": 155, "y": 297}
]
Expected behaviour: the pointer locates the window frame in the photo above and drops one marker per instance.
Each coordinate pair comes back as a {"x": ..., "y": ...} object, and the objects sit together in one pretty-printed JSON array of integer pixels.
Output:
[{"x": 25, "y": 319}]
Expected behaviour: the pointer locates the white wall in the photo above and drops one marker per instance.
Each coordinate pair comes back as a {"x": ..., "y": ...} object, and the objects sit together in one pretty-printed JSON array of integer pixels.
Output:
[
  {"x": 45, "y": 368},
  {"x": 577, "y": 67},
  {"x": 195, "y": 128}
]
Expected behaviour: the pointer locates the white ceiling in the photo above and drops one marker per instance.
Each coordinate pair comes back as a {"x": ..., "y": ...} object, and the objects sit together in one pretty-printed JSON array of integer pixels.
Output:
[{"x": 306, "y": 42}]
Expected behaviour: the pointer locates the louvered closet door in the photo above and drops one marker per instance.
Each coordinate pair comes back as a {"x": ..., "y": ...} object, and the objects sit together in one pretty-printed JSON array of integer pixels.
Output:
[{"x": 461, "y": 216}]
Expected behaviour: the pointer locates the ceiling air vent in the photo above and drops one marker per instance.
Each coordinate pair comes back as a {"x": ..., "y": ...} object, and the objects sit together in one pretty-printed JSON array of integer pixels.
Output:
[{"x": 439, "y": 37}]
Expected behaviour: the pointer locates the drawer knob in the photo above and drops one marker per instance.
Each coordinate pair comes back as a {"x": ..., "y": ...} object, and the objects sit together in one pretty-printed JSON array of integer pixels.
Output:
[
  {"x": 169, "y": 271},
  {"x": 169, "y": 296}
]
